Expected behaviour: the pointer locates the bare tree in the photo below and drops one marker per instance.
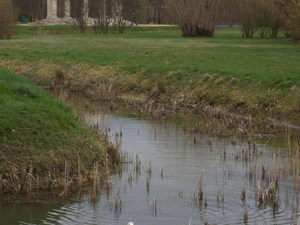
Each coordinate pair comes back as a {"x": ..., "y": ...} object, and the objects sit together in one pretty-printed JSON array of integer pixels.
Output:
[
  {"x": 196, "y": 17},
  {"x": 157, "y": 12},
  {"x": 264, "y": 16},
  {"x": 124, "y": 13},
  {"x": 231, "y": 15},
  {"x": 7, "y": 18},
  {"x": 117, "y": 14},
  {"x": 99, "y": 17},
  {"x": 292, "y": 24},
  {"x": 79, "y": 13}
]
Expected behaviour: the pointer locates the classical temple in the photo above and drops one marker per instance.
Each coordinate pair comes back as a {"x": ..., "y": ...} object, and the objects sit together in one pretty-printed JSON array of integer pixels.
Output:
[
  {"x": 57, "y": 11},
  {"x": 52, "y": 11}
]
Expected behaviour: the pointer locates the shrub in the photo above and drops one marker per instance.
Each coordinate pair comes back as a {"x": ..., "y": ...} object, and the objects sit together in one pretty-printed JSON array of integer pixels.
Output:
[
  {"x": 7, "y": 19},
  {"x": 196, "y": 17},
  {"x": 264, "y": 16},
  {"x": 293, "y": 22},
  {"x": 79, "y": 13},
  {"x": 99, "y": 20},
  {"x": 161, "y": 85}
]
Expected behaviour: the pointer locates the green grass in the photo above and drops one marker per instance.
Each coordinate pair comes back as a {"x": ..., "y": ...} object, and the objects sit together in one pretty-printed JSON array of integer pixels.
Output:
[
  {"x": 163, "y": 51},
  {"x": 242, "y": 68},
  {"x": 40, "y": 131}
]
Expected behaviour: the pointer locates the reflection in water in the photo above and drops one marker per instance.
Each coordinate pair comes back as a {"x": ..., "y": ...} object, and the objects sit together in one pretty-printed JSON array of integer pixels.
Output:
[{"x": 174, "y": 177}]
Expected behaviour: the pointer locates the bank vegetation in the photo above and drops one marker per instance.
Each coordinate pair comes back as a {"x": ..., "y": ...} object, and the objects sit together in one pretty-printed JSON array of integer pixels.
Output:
[{"x": 43, "y": 144}]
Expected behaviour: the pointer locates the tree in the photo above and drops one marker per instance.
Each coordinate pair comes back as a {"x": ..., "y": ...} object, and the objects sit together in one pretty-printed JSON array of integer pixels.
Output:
[
  {"x": 263, "y": 16},
  {"x": 196, "y": 17},
  {"x": 79, "y": 12},
  {"x": 99, "y": 17},
  {"x": 293, "y": 21},
  {"x": 157, "y": 11},
  {"x": 7, "y": 18}
]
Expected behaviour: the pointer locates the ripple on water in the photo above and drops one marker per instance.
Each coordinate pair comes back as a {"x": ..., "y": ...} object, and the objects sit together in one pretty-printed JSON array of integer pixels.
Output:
[{"x": 183, "y": 161}]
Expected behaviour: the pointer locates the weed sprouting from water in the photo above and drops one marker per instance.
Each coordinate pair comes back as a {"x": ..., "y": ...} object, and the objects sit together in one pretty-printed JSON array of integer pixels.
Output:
[
  {"x": 30, "y": 179},
  {"x": 246, "y": 214},
  {"x": 243, "y": 195},
  {"x": 263, "y": 172},
  {"x": 67, "y": 181},
  {"x": 199, "y": 192},
  {"x": 96, "y": 184},
  {"x": 130, "y": 178},
  {"x": 268, "y": 195},
  {"x": 154, "y": 206},
  {"x": 220, "y": 194},
  {"x": 117, "y": 205},
  {"x": 138, "y": 164},
  {"x": 209, "y": 142},
  {"x": 102, "y": 89},
  {"x": 61, "y": 86},
  {"x": 149, "y": 170},
  {"x": 108, "y": 187},
  {"x": 148, "y": 182},
  {"x": 294, "y": 216}
]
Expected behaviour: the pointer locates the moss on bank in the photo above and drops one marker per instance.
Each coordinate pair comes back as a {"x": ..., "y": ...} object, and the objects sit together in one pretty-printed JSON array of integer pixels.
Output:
[{"x": 39, "y": 137}]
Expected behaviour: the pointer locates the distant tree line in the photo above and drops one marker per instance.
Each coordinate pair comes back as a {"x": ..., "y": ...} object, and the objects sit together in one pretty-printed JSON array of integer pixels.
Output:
[{"x": 194, "y": 17}]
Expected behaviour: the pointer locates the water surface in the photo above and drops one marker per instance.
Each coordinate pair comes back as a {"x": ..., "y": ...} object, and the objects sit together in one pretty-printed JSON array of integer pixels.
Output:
[{"x": 172, "y": 163}]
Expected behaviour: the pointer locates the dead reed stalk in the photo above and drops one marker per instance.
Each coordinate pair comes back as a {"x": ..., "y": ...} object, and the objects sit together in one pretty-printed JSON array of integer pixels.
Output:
[
  {"x": 154, "y": 206},
  {"x": 199, "y": 192},
  {"x": 96, "y": 184}
]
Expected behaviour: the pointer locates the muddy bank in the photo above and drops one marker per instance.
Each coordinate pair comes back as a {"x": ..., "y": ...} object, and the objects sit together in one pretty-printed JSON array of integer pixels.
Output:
[{"x": 221, "y": 109}]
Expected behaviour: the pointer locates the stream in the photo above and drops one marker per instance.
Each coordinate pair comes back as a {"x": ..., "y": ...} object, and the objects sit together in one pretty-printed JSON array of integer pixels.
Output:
[{"x": 174, "y": 177}]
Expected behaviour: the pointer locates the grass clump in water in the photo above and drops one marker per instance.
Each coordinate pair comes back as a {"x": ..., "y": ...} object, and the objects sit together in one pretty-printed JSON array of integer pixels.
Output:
[{"x": 38, "y": 136}]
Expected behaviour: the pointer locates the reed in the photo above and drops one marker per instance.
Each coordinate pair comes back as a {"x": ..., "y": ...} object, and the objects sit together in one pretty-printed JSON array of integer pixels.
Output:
[
  {"x": 154, "y": 206},
  {"x": 102, "y": 89},
  {"x": 130, "y": 178},
  {"x": 199, "y": 192},
  {"x": 96, "y": 184},
  {"x": 138, "y": 164},
  {"x": 30, "y": 179},
  {"x": 148, "y": 182},
  {"x": 108, "y": 187},
  {"x": 162, "y": 174},
  {"x": 61, "y": 85},
  {"x": 117, "y": 205},
  {"x": 294, "y": 216},
  {"x": 264, "y": 172},
  {"x": 79, "y": 175},
  {"x": 243, "y": 195},
  {"x": 246, "y": 214},
  {"x": 149, "y": 170},
  {"x": 267, "y": 195},
  {"x": 67, "y": 181}
]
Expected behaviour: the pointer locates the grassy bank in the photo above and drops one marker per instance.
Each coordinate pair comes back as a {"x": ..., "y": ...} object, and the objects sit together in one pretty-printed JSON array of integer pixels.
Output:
[
  {"x": 41, "y": 140},
  {"x": 258, "y": 77}
]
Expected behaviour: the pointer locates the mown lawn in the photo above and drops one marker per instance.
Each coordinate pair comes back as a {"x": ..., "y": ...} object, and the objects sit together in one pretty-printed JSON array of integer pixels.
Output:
[
  {"x": 242, "y": 69},
  {"x": 165, "y": 51}
]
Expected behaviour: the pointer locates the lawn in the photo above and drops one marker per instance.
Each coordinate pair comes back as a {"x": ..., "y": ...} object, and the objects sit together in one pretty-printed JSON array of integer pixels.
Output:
[
  {"x": 240, "y": 68},
  {"x": 41, "y": 134}
]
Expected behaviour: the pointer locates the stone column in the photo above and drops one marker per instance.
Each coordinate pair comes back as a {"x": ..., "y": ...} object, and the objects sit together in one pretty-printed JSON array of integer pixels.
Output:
[
  {"x": 67, "y": 9},
  {"x": 49, "y": 8},
  {"x": 52, "y": 9},
  {"x": 86, "y": 7}
]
